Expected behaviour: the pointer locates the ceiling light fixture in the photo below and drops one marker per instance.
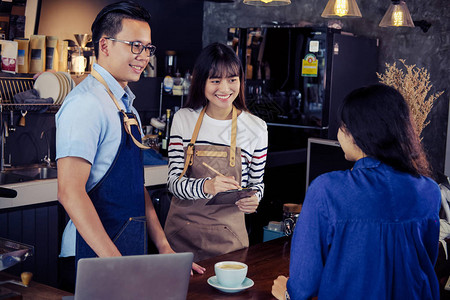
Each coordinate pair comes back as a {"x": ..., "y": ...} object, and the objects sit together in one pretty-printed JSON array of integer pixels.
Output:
[
  {"x": 267, "y": 2},
  {"x": 397, "y": 15},
  {"x": 342, "y": 9}
]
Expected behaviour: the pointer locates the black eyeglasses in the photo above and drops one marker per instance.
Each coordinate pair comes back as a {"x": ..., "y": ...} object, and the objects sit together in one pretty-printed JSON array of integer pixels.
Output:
[{"x": 136, "y": 47}]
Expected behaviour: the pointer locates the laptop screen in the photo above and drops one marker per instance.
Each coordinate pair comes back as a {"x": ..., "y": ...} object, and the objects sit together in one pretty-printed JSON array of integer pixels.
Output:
[
  {"x": 324, "y": 156},
  {"x": 157, "y": 276}
]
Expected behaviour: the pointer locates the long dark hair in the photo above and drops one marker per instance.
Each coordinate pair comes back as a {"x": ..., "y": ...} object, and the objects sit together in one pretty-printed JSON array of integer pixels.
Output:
[
  {"x": 109, "y": 19},
  {"x": 380, "y": 122},
  {"x": 215, "y": 61}
]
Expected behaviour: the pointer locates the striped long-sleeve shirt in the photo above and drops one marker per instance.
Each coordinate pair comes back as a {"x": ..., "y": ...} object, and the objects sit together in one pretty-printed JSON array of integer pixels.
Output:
[{"x": 251, "y": 138}]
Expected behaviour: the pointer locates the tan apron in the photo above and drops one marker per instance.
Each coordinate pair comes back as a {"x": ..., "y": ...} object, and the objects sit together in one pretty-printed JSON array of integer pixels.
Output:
[{"x": 208, "y": 230}]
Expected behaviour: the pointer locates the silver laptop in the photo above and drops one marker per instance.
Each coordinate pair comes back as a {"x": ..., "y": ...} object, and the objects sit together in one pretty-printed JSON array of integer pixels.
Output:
[{"x": 158, "y": 276}]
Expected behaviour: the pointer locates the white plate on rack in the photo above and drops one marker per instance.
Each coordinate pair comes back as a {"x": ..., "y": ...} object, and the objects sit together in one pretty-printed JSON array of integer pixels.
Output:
[
  {"x": 64, "y": 87},
  {"x": 61, "y": 90},
  {"x": 72, "y": 83},
  {"x": 48, "y": 85}
]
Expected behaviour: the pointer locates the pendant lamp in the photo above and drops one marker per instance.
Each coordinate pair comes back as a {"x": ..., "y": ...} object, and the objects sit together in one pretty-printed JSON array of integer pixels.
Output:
[
  {"x": 267, "y": 2},
  {"x": 397, "y": 15},
  {"x": 341, "y": 8}
]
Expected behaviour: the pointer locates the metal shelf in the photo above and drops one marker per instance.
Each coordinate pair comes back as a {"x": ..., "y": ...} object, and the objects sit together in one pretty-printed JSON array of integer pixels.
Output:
[
  {"x": 9, "y": 86},
  {"x": 31, "y": 107}
]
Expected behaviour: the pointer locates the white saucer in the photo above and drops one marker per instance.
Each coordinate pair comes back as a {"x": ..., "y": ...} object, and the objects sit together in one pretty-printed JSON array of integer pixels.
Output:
[{"x": 212, "y": 281}]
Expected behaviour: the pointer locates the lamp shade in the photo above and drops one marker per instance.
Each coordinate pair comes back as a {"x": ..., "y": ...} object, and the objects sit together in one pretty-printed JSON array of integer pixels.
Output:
[
  {"x": 397, "y": 15},
  {"x": 342, "y": 9},
  {"x": 267, "y": 2}
]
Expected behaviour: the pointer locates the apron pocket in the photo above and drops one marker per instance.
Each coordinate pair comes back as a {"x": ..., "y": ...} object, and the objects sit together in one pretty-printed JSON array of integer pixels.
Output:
[
  {"x": 205, "y": 240},
  {"x": 132, "y": 237}
]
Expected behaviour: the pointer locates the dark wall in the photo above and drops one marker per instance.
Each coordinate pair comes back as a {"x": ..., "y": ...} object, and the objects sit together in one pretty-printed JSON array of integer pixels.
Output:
[
  {"x": 176, "y": 25},
  {"x": 430, "y": 50}
]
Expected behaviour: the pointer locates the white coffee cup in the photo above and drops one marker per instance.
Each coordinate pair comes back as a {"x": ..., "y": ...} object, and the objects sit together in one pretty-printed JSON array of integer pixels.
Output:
[{"x": 230, "y": 273}]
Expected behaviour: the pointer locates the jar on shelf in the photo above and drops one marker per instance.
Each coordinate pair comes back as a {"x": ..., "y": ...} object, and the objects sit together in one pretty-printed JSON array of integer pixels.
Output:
[
  {"x": 291, "y": 212},
  {"x": 151, "y": 140},
  {"x": 168, "y": 84}
]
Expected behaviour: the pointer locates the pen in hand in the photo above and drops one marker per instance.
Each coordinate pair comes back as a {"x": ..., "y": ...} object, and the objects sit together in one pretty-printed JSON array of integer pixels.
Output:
[
  {"x": 217, "y": 172},
  {"x": 212, "y": 169}
]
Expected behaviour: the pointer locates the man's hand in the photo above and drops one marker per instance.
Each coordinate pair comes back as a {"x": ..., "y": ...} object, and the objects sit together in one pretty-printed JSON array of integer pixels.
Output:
[{"x": 197, "y": 268}]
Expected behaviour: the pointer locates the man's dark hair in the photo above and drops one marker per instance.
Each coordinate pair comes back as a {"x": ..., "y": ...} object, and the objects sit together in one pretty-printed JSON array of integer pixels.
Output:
[
  {"x": 109, "y": 19},
  {"x": 379, "y": 120}
]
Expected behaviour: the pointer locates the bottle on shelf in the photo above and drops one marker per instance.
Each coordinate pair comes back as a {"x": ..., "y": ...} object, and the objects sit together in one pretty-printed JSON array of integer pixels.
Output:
[
  {"x": 165, "y": 138},
  {"x": 170, "y": 67},
  {"x": 177, "y": 84},
  {"x": 186, "y": 83},
  {"x": 171, "y": 63},
  {"x": 160, "y": 138}
]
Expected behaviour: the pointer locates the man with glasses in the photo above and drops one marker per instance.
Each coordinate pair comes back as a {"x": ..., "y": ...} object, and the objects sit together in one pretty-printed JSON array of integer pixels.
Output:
[
  {"x": 100, "y": 170},
  {"x": 137, "y": 47}
]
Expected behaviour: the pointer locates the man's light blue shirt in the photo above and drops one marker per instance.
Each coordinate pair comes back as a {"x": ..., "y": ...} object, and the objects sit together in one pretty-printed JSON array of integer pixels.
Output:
[{"x": 88, "y": 126}]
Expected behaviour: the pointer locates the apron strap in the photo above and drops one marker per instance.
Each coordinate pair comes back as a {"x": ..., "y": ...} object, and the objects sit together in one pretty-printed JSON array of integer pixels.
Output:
[
  {"x": 127, "y": 121},
  {"x": 233, "y": 137},
  {"x": 190, "y": 148}
]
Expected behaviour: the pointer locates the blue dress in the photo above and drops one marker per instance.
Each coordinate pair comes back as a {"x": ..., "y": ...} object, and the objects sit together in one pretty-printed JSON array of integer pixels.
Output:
[{"x": 367, "y": 233}]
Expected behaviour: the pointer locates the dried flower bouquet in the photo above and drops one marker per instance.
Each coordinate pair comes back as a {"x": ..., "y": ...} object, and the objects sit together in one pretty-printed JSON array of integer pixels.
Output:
[{"x": 414, "y": 85}]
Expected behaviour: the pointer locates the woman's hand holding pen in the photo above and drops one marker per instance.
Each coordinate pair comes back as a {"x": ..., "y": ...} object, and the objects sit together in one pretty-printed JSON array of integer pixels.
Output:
[
  {"x": 248, "y": 205},
  {"x": 220, "y": 184}
]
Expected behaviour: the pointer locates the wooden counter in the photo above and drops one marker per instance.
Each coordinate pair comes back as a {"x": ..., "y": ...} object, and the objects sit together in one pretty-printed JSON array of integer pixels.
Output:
[
  {"x": 265, "y": 262},
  {"x": 35, "y": 291}
]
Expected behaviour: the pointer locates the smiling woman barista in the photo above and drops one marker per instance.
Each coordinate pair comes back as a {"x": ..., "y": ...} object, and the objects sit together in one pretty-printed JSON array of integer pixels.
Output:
[
  {"x": 100, "y": 170},
  {"x": 215, "y": 127}
]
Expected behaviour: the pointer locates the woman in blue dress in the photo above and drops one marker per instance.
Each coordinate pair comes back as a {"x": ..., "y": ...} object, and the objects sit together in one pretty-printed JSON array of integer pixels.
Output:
[{"x": 370, "y": 232}]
